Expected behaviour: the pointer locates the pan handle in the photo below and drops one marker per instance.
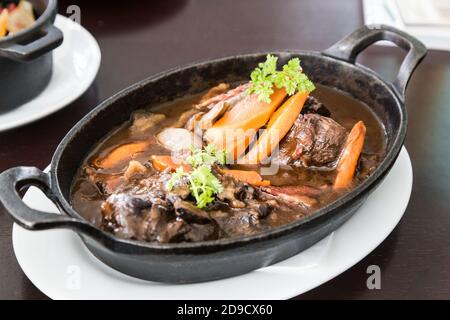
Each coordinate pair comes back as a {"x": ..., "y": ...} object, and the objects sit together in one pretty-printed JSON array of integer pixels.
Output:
[
  {"x": 12, "y": 180},
  {"x": 52, "y": 37},
  {"x": 349, "y": 48}
]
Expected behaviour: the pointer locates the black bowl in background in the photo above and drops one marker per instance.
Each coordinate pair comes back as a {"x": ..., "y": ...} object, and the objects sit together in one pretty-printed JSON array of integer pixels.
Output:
[
  {"x": 26, "y": 57},
  {"x": 209, "y": 260}
]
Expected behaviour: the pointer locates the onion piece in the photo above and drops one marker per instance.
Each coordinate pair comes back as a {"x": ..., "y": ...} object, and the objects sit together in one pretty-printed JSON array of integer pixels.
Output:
[{"x": 177, "y": 139}]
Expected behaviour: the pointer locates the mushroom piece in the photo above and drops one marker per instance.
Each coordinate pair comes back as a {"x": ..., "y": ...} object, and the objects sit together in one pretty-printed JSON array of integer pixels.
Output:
[
  {"x": 135, "y": 168},
  {"x": 209, "y": 118},
  {"x": 143, "y": 120},
  {"x": 190, "y": 125},
  {"x": 217, "y": 110}
]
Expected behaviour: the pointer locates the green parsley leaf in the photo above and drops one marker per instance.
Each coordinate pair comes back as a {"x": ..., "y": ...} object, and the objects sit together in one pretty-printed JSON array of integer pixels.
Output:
[
  {"x": 291, "y": 78},
  {"x": 207, "y": 156},
  {"x": 176, "y": 177},
  {"x": 261, "y": 81},
  {"x": 203, "y": 184}
]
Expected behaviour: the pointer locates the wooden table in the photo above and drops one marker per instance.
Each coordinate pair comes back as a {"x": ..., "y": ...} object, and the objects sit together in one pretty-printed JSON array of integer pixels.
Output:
[{"x": 145, "y": 37}]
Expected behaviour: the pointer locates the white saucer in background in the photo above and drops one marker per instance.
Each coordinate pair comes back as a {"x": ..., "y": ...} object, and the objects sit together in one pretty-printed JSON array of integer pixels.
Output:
[
  {"x": 75, "y": 66},
  {"x": 60, "y": 266}
]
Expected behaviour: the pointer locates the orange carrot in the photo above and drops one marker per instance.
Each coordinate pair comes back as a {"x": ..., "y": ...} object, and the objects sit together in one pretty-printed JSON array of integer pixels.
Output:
[
  {"x": 251, "y": 177},
  {"x": 349, "y": 158},
  {"x": 279, "y": 125},
  {"x": 121, "y": 154},
  {"x": 236, "y": 128},
  {"x": 163, "y": 162},
  {"x": 3, "y": 22}
]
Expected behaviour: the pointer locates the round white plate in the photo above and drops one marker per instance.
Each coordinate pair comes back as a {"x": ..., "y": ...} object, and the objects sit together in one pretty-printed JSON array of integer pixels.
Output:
[
  {"x": 61, "y": 267},
  {"x": 75, "y": 66}
]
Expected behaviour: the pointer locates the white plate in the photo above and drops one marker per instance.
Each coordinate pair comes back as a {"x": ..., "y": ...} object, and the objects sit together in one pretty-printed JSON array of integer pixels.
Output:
[
  {"x": 75, "y": 66},
  {"x": 61, "y": 267}
]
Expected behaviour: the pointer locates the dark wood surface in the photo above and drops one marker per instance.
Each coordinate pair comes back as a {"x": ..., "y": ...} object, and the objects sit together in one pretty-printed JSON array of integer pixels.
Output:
[{"x": 145, "y": 37}]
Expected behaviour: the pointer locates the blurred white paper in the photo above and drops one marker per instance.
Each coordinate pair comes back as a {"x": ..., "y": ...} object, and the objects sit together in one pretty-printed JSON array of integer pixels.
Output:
[
  {"x": 425, "y": 12},
  {"x": 428, "y": 20}
]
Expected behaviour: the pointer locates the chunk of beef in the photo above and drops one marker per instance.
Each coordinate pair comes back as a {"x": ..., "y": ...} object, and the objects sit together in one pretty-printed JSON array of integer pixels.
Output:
[
  {"x": 200, "y": 232},
  {"x": 127, "y": 207},
  {"x": 243, "y": 221},
  {"x": 142, "y": 208},
  {"x": 180, "y": 231},
  {"x": 135, "y": 217},
  {"x": 232, "y": 191},
  {"x": 298, "y": 195},
  {"x": 126, "y": 215},
  {"x": 190, "y": 213},
  {"x": 173, "y": 231},
  {"x": 217, "y": 205},
  {"x": 312, "y": 105},
  {"x": 313, "y": 141},
  {"x": 245, "y": 192},
  {"x": 243, "y": 199}
]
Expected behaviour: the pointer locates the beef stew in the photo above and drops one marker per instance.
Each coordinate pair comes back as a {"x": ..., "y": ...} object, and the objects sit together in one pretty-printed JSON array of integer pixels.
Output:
[{"x": 122, "y": 187}]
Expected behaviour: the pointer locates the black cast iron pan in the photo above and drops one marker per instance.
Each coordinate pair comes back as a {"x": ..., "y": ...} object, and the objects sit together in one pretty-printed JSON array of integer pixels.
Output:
[{"x": 194, "y": 262}]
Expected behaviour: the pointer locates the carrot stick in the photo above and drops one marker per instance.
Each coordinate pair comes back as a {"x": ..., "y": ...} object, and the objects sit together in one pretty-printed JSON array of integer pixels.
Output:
[
  {"x": 251, "y": 177},
  {"x": 236, "y": 128},
  {"x": 3, "y": 22},
  {"x": 279, "y": 125},
  {"x": 120, "y": 154},
  {"x": 350, "y": 155},
  {"x": 161, "y": 163}
]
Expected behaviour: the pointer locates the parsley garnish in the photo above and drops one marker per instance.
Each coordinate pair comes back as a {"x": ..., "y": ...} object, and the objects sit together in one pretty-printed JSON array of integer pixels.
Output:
[
  {"x": 203, "y": 185},
  {"x": 207, "y": 156},
  {"x": 291, "y": 78}
]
